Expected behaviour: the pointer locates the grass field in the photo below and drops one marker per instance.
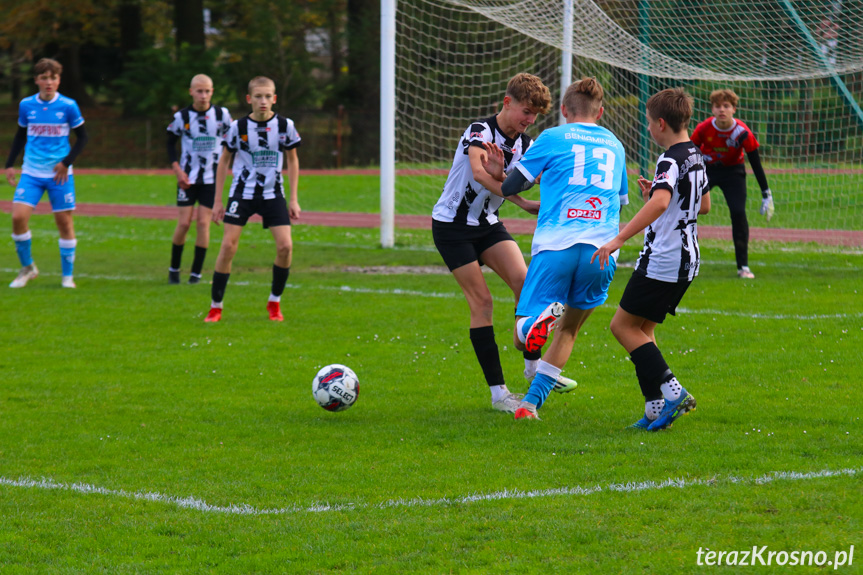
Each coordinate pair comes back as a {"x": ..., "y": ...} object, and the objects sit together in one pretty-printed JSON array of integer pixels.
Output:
[
  {"x": 134, "y": 438},
  {"x": 801, "y": 199}
]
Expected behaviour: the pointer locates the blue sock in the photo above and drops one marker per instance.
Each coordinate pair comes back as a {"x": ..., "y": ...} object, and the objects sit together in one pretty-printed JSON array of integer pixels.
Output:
[
  {"x": 22, "y": 246},
  {"x": 67, "y": 256},
  {"x": 540, "y": 387}
]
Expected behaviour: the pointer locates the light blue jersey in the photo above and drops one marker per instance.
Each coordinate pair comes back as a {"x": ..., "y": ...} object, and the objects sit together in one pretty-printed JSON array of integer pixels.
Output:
[
  {"x": 48, "y": 126},
  {"x": 583, "y": 169}
]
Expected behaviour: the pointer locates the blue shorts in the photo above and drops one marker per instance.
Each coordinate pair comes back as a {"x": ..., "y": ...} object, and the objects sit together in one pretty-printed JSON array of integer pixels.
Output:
[
  {"x": 566, "y": 276},
  {"x": 31, "y": 188}
]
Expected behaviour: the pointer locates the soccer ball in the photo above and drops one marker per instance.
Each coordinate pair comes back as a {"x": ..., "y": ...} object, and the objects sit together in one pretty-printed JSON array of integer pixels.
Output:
[{"x": 336, "y": 387}]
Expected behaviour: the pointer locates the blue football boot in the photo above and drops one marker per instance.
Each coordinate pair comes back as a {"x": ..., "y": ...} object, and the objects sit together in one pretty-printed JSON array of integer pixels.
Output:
[{"x": 672, "y": 410}]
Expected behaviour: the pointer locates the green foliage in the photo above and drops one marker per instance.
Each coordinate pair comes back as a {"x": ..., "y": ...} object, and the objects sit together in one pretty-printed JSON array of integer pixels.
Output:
[{"x": 157, "y": 79}]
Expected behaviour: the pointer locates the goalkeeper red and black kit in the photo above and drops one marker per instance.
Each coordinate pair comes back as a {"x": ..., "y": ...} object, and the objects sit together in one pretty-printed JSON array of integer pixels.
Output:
[{"x": 723, "y": 153}]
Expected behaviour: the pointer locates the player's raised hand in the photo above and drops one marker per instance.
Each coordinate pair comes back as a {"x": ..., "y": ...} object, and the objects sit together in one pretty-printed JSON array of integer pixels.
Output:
[
  {"x": 492, "y": 160},
  {"x": 767, "y": 208},
  {"x": 605, "y": 252},
  {"x": 61, "y": 173},
  {"x": 644, "y": 185},
  {"x": 10, "y": 176}
]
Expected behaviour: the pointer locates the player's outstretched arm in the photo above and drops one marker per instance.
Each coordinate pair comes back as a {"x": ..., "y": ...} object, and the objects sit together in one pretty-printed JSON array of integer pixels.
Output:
[
  {"x": 293, "y": 183},
  {"x": 493, "y": 161},
  {"x": 654, "y": 208},
  {"x": 221, "y": 176},
  {"x": 478, "y": 158}
]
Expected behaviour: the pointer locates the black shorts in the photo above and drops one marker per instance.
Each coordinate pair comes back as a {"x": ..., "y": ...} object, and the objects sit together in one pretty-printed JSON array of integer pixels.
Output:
[
  {"x": 204, "y": 194},
  {"x": 274, "y": 212},
  {"x": 652, "y": 299},
  {"x": 460, "y": 244}
]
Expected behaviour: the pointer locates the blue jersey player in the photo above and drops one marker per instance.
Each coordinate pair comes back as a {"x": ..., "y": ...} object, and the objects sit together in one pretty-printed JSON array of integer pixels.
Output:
[
  {"x": 583, "y": 169},
  {"x": 45, "y": 121}
]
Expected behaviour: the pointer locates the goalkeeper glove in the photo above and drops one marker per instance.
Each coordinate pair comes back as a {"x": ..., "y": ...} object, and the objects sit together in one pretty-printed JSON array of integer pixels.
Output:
[{"x": 767, "y": 204}]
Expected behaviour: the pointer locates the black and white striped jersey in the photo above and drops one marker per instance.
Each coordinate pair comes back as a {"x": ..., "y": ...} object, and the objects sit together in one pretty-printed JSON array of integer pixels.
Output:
[
  {"x": 258, "y": 149},
  {"x": 671, "y": 252},
  {"x": 464, "y": 200},
  {"x": 201, "y": 135}
]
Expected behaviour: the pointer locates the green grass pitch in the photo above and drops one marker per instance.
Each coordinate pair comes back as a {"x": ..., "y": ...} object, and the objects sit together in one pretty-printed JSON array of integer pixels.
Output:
[{"x": 134, "y": 438}]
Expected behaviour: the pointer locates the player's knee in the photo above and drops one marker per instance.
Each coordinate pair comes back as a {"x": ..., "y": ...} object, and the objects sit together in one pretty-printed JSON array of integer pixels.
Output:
[
  {"x": 283, "y": 251},
  {"x": 616, "y": 327}
]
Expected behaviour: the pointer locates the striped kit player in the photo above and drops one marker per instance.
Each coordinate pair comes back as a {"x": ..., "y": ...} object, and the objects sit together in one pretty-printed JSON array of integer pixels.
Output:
[
  {"x": 200, "y": 129},
  {"x": 671, "y": 252},
  {"x": 259, "y": 145}
]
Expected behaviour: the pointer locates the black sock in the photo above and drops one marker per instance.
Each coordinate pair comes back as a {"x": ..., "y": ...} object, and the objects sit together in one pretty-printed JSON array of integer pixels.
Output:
[
  {"x": 176, "y": 256},
  {"x": 280, "y": 278},
  {"x": 486, "y": 351},
  {"x": 220, "y": 282},
  {"x": 532, "y": 355},
  {"x": 198, "y": 262},
  {"x": 651, "y": 370}
]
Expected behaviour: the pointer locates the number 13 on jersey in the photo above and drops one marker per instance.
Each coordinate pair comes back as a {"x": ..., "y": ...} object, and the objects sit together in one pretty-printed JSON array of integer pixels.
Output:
[{"x": 604, "y": 179}]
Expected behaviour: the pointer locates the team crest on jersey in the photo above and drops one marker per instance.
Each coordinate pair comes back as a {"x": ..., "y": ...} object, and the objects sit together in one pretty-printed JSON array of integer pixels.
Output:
[{"x": 59, "y": 115}]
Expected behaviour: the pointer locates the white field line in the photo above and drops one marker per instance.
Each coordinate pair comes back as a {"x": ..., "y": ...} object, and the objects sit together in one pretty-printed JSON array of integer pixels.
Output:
[
  {"x": 197, "y": 504},
  {"x": 453, "y": 295}
]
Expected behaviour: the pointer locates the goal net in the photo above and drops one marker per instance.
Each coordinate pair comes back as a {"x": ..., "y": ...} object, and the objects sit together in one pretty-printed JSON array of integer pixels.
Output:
[{"x": 796, "y": 65}]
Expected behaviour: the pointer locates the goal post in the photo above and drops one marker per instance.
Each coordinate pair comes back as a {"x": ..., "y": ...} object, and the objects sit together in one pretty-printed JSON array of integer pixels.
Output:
[{"x": 797, "y": 66}]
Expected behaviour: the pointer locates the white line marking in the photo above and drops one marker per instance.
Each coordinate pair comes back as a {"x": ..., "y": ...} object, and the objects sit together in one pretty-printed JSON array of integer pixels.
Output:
[
  {"x": 197, "y": 504},
  {"x": 454, "y": 295}
]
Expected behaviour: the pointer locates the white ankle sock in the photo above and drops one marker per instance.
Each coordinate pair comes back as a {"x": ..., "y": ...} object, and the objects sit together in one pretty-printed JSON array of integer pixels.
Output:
[
  {"x": 498, "y": 392},
  {"x": 530, "y": 368},
  {"x": 652, "y": 409},
  {"x": 671, "y": 389}
]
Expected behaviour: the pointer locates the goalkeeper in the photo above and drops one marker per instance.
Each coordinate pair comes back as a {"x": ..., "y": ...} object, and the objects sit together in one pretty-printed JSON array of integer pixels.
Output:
[{"x": 722, "y": 140}]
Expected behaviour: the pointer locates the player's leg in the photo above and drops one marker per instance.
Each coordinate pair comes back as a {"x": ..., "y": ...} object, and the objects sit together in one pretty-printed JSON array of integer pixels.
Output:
[
  {"x": 502, "y": 254},
  {"x": 734, "y": 190},
  {"x": 67, "y": 244},
  {"x": 62, "y": 198},
  {"x": 222, "y": 270},
  {"x": 457, "y": 246},
  {"x": 554, "y": 361},
  {"x": 281, "y": 270},
  {"x": 644, "y": 304},
  {"x": 178, "y": 241},
  {"x": 206, "y": 196},
  {"x": 22, "y": 237},
  {"x": 583, "y": 286}
]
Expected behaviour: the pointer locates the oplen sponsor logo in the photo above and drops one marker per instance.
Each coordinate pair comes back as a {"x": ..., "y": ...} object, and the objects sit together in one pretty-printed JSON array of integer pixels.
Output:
[{"x": 581, "y": 214}]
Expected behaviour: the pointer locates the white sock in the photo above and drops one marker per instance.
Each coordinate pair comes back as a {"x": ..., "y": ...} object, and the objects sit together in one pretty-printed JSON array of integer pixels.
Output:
[
  {"x": 652, "y": 409},
  {"x": 519, "y": 329},
  {"x": 547, "y": 369},
  {"x": 671, "y": 389},
  {"x": 274, "y": 298},
  {"x": 498, "y": 392},
  {"x": 530, "y": 368},
  {"x": 216, "y": 304}
]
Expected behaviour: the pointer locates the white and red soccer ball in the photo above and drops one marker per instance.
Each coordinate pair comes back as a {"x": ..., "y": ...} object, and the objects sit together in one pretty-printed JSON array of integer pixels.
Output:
[{"x": 336, "y": 387}]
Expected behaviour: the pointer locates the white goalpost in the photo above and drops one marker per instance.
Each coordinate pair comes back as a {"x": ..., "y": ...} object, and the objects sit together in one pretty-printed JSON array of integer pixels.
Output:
[{"x": 796, "y": 64}]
